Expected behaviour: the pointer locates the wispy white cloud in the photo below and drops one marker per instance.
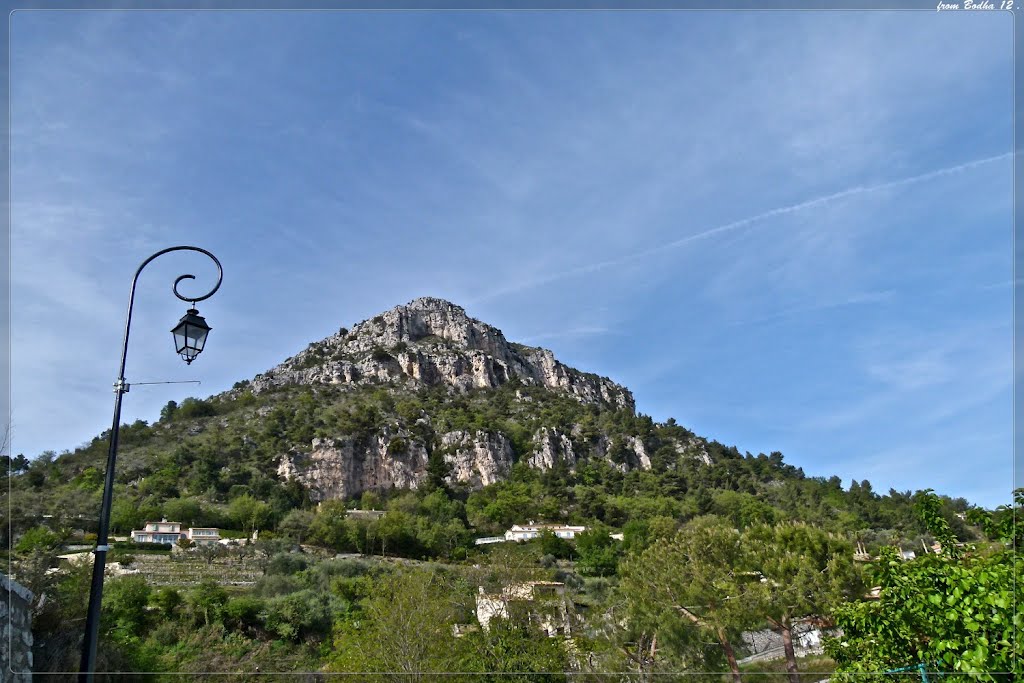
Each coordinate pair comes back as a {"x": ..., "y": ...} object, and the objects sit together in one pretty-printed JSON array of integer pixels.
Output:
[
  {"x": 850, "y": 300},
  {"x": 925, "y": 377},
  {"x": 763, "y": 217}
]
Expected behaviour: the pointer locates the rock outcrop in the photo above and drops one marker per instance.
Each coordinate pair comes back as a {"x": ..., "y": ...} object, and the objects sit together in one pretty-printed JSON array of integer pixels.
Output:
[
  {"x": 478, "y": 459},
  {"x": 429, "y": 342},
  {"x": 551, "y": 447},
  {"x": 345, "y": 467}
]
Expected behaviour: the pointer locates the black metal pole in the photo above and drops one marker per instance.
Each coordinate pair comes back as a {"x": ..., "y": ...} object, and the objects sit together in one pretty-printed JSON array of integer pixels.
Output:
[{"x": 92, "y": 620}]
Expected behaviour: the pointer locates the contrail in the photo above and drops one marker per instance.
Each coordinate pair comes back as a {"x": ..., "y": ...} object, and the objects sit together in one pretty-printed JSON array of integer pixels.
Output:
[{"x": 742, "y": 223}]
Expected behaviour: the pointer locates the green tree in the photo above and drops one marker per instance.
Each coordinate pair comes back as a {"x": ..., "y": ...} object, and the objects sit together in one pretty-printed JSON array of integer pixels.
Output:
[
  {"x": 508, "y": 649},
  {"x": 210, "y": 552},
  {"x": 329, "y": 526},
  {"x": 550, "y": 544},
  {"x": 248, "y": 512},
  {"x": 296, "y": 524},
  {"x": 188, "y": 511},
  {"x": 243, "y": 613},
  {"x": 951, "y": 611},
  {"x": 166, "y": 600},
  {"x": 597, "y": 552},
  {"x": 805, "y": 572},
  {"x": 194, "y": 407},
  {"x": 124, "y": 603},
  {"x": 37, "y": 538},
  {"x": 403, "y": 626},
  {"x": 126, "y": 515},
  {"x": 168, "y": 411},
  {"x": 297, "y": 615},
  {"x": 207, "y": 601},
  {"x": 438, "y": 470},
  {"x": 697, "y": 575}
]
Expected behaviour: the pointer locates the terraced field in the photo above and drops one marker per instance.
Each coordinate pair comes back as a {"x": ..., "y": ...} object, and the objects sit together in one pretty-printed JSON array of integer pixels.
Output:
[{"x": 189, "y": 570}]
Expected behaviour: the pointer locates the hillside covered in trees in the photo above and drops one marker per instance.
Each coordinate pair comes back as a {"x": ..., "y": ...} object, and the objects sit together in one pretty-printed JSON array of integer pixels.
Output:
[{"x": 453, "y": 433}]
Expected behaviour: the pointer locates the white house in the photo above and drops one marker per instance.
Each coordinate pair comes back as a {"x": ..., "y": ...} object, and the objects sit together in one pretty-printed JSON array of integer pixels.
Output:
[
  {"x": 159, "y": 532},
  {"x": 532, "y": 530},
  {"x": 170, "y": 533}
]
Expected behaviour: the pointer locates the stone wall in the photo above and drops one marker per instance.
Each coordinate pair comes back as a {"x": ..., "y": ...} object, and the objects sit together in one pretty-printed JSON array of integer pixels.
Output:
[{"x": 15, "y": 630}]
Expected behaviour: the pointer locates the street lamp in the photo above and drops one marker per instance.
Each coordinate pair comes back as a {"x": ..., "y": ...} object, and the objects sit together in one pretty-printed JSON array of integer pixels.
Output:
[
  {"x": 190, "y": 335},
  {"x": 189, "y": 340}
]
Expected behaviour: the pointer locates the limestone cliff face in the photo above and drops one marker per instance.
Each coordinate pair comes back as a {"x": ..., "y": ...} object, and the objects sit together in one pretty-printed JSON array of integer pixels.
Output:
[
  {"x": 550, "y": 448},
  {"x": 429, "y": 342},
  {"x": 478, "y": 459},
  {"x": 344, "y": 468}
]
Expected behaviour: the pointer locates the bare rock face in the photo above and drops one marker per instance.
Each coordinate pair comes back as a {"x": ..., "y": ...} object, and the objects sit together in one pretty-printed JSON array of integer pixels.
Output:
[
  {"x": 345, "y": 467},
  {"x": 551, "y": 446},
  {"x": 430, "y": 342},
  {"x": 342, "y": 468},
  {"x": 478, "y": 459},
  {"x": 695, "y": 448},
  {"x": 636, "y": 444}
]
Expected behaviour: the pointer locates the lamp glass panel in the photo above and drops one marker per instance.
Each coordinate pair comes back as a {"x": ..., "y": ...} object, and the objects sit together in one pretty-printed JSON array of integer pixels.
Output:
[{"x": 196, "y": 336}]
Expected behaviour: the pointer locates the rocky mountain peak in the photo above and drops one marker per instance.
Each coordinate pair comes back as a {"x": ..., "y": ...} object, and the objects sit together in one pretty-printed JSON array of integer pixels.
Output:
[
  {"x": 428, "y": 318},
  {"x": 431, "y": 341}
]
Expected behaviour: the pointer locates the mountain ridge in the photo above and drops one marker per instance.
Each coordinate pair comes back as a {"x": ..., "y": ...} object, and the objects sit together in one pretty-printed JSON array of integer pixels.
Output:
[
  {"x": 432, "y": 341},
  {"x": 433, "y": 344}
]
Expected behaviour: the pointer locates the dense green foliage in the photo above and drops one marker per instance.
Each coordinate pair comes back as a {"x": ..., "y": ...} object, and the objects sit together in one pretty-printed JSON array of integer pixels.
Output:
[
  {"x": 952, "y": 612},
  {"x": 719, "y": 580}
]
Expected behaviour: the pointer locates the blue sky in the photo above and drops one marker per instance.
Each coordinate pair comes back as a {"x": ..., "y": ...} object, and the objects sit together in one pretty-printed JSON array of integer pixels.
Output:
[{"x": 790, "y": 231}]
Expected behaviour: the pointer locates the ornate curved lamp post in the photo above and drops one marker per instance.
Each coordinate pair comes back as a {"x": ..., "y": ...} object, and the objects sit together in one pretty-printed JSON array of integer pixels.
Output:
[{"x": 189, "y": 339}]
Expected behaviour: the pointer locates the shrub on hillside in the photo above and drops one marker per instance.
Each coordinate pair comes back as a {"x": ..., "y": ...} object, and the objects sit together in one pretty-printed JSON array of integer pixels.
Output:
[{"x": 192, "y": 408}]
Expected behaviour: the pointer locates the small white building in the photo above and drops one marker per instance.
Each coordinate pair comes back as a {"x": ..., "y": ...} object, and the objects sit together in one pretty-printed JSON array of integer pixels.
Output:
[
  {"x": 525, "y": 532},
  {"x": 553, "y": 622},
  {"x": 204, "y": 535},
  {"x": 490, "y": 539}
]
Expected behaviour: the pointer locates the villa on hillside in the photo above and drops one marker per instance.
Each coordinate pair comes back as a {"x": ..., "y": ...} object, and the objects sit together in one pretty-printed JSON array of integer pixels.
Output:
[
  {"x": 170, "y": 533},
  {"x": 532, "y": 530},
  {"x": 526, "y": 532},
  {"x": 163, "y": 531}
]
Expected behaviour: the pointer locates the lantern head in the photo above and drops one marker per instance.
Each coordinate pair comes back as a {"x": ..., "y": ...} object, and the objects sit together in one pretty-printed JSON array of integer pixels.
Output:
[{"x": 190, "y": 335}]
